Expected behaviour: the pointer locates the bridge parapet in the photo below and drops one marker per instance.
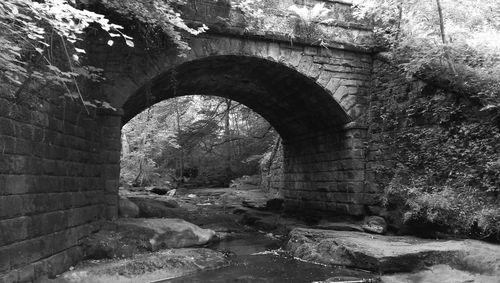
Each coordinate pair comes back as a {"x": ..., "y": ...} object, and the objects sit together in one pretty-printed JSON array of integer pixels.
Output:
[{"x": 337, "y": 27}]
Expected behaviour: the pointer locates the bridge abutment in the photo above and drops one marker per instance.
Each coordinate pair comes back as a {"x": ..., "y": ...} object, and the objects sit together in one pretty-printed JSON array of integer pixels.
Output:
[
  {"x": 324, "y": 174},
  {"x": 51, "y": 186}
]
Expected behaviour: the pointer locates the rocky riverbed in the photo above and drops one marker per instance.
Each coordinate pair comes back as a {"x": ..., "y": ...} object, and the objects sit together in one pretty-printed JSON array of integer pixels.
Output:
[{"x": 212, "y": 235}]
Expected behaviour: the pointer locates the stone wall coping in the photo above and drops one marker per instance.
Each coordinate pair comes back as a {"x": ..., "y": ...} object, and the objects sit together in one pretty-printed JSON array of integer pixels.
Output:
[{"x": 280, "y": 38}]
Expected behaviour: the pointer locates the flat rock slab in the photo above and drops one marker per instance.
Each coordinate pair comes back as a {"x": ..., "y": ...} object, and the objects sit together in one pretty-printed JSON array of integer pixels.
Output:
[
  {"x": 146, "y": 267},
  {"x": 391, "y": 253},
  {"x": 338, "y": 226},
  {"x": 125, "y": 237},
  {"x": 440, "y": 274}
]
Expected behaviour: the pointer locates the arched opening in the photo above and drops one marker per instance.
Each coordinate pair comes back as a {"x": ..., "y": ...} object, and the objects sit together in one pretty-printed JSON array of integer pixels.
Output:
[
  {"x": 322, "y": 171},
  {"x": 197, "y": 141},
  {"x": 290, "y": 101}
]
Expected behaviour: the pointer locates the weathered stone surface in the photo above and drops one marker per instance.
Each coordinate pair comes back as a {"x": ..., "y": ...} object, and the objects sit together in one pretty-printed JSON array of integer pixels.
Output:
[
  {"x": 338, "y": 226},
  {"x": 440, "y": 274},
  {"x": 147, "y": 267},
  {"x": 127, "y": 208},
  {"x": 391, "y": 253},
  {"x": 125, "y": 237}
]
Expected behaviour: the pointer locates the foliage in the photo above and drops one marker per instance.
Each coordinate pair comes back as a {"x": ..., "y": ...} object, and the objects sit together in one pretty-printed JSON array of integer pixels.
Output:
[
  {"x": 465, "y": 51},
  {"x": 443, "y": 134},
  {"x": 39, "y": 44},
  {"x": 462, "y": 211},
  {"x": 446, "y": 153},
  {"x": 157, "y": 16},
  {"x": 252, "y": 12},
  {"x": 208, "y": 139},
  {"x": 308, "y": 18}
]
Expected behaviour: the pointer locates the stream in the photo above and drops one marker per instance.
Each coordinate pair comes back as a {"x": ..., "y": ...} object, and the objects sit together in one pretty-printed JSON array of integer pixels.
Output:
[{"x": 257, "y": 257}]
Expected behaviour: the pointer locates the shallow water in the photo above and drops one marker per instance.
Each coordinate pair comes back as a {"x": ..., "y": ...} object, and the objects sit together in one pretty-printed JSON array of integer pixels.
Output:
[{"x": 257, "y": 258}]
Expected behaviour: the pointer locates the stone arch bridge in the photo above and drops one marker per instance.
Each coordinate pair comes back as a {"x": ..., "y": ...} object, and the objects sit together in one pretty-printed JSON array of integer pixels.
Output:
[{"x": 59, "y": 166}]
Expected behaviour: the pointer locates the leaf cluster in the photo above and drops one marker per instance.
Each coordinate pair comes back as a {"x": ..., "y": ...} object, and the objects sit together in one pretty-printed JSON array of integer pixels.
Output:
[{"x": 39, "y": 44}]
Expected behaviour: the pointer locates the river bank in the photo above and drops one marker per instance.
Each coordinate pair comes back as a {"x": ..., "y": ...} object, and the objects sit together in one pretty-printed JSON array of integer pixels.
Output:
[{"x": 220, "y": 234}]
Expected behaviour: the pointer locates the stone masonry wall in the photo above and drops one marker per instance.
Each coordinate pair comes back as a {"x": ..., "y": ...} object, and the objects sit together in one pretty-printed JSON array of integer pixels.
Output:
[
  {"x": 51, "y": 186},
  {"x": 325, "y": 174}
]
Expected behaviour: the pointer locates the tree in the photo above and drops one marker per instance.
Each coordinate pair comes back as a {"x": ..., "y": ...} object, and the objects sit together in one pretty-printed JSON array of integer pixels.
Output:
[
  {"x": 414, "y": 33},
  {"x": 40, "y": 41}
]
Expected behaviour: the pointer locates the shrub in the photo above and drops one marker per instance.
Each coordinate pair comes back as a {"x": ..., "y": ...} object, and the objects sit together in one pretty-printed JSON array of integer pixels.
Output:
[{"x": 460, "y": 211}]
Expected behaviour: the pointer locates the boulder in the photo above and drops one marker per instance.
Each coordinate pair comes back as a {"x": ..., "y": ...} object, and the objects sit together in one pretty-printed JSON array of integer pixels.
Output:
[
  {"x": 128, "y": 236},
  {"x": 374, "y": 224},
  {"x": 149, "y": 267},
  {"x": 127, "y": 208},
  {"x": 440, "y": 274},
  {"x": 154, "y": 208},
  {"x": 390, "y": 253}
]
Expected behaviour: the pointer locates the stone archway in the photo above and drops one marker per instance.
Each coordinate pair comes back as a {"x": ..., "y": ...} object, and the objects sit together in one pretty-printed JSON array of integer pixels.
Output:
[{"x": 324, "y": 165}]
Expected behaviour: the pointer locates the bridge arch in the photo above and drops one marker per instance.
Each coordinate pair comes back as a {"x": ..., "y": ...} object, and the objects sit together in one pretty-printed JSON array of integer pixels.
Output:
[
  {"x": 342, "y": 74},
  {"x": 323, "y": 160},
  {"x": 59, "y": 165},
  {"x": 293, "y": 103}
]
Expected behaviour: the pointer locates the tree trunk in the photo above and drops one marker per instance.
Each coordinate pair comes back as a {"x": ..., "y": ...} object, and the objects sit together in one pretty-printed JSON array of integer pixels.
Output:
[
  {"x": 443, "y": 37},
  {"x": 400, "y": 17},
  {"x": 181, "y": 151},
  {"x": 227, "y": 138},
  {"x": 270, "y": 162}
]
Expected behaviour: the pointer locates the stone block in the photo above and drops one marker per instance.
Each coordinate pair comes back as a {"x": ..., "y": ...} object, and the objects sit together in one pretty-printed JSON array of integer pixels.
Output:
[
  {"x": 112, "y": 184},
  {"x": 57, "y": 264},
  {"x": 53, "y": 222},
  {"x": 111, "y": 212},
  {"x": 324, "y": 77},
  {"x": 19, "y": 254},
  {"x": 4, "y": 259},
  {"x": 15, "y": 164},
  {"x": 7, "y": 144},
  {"x": 11, "y": 206},
  {"x": 7, "y": 127},
  {"x": 371, "y": 199},
  {"x": 333, "y": 85},
  {"x": 321, "y": 59},
  {"x": 314, "y": 71},
  {"x": 350, "y": 209},
  {"x": 14, "y": 229},
  {"x": 351, "y": 187},
  {"x": 40, "y": 119}
]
